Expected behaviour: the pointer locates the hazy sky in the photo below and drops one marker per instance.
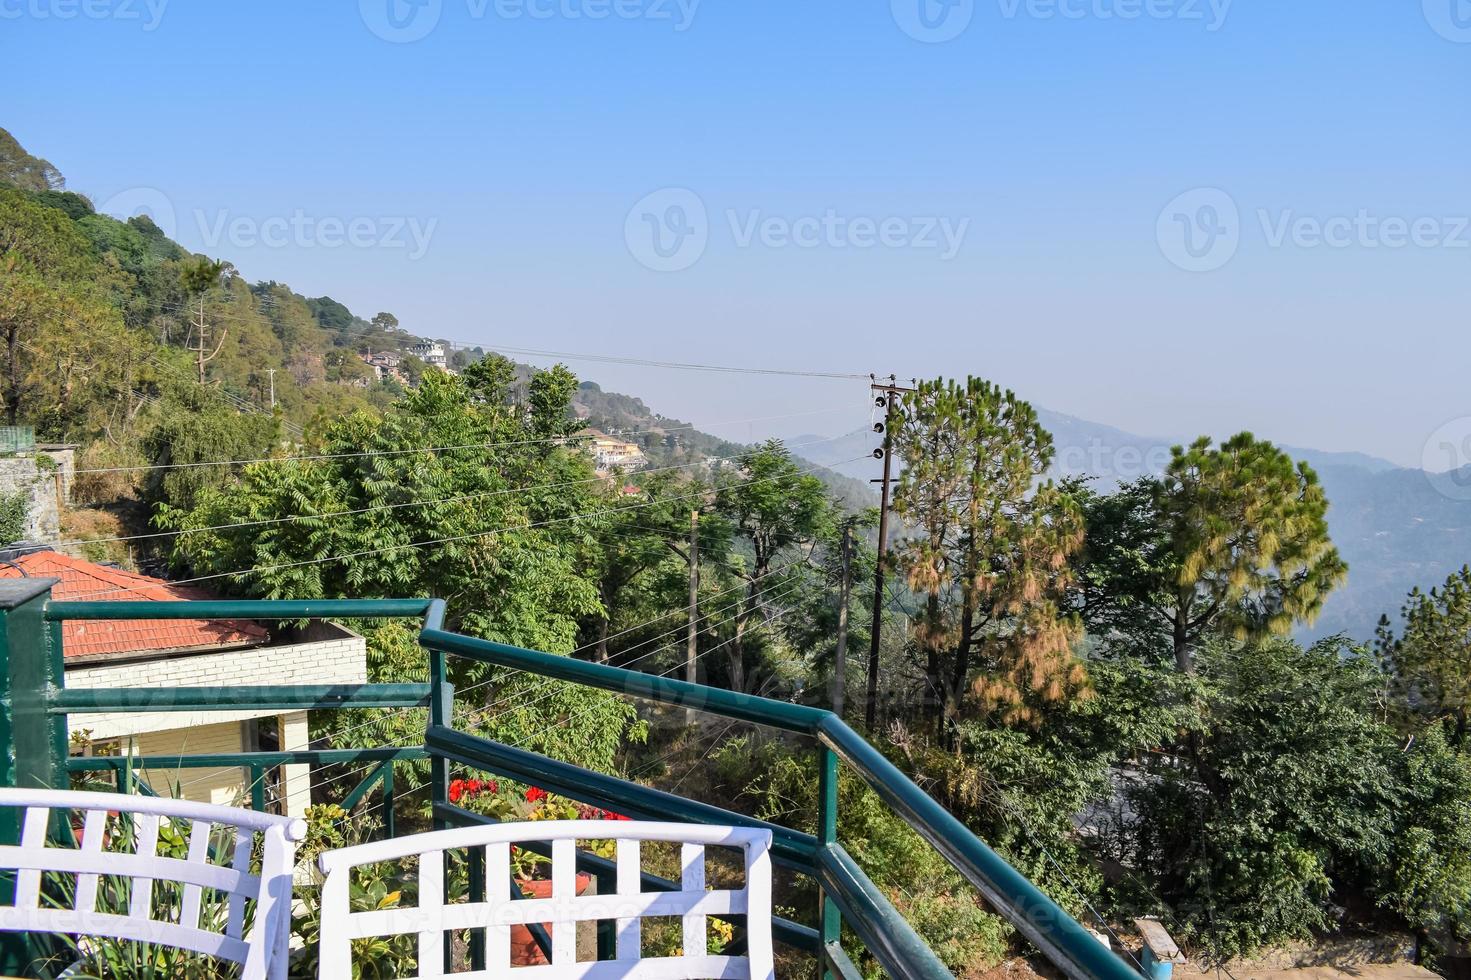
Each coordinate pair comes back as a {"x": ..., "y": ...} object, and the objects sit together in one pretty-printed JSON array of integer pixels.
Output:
[{"x": 1172, "y": 216}]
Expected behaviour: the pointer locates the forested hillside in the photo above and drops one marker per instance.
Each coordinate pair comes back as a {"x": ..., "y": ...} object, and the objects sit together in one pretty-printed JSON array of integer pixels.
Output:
[{"x": 117, "y": 339}]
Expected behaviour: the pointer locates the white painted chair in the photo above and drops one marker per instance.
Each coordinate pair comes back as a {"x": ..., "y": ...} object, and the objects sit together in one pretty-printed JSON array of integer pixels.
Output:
[
  {"x": 433, "y": 916},
  {"x": 259, "y": 945}
]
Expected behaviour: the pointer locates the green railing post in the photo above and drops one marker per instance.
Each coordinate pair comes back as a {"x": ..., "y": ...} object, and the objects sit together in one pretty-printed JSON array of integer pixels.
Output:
[
  {"x": 33, "y": 753},
  {"x": 258, "y": 788},
  {"x": 441, "y": 713},
  {"x": 35, "y": 741},
  {"x": 830, "y": 920},
  {"x": 389, "y": 823}
]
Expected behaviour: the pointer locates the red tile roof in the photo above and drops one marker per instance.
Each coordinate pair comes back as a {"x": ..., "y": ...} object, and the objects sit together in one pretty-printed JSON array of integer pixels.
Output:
[{"x": 84, "y": 580}]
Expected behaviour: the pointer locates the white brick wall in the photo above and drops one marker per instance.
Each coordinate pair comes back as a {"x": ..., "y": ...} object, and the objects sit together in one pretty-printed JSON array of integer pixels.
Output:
[
  {"x": 338, "y": 661},
  {"x": 169, "y": 733}
]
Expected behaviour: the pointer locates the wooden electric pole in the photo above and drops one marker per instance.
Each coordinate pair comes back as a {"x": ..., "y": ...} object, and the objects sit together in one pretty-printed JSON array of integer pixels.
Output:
[
  {"x": 840, "y": 657},
  {"x": 692, "y": 631},
  {"x": 888, "y": 401}
]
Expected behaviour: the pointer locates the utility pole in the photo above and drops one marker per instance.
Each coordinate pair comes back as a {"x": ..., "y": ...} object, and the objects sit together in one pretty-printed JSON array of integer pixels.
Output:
[
  {"x": 203, "y": 327},
  {"x": 840, "y": 657},
  {"x": 272, "y": 373},
  {"x": 692, "y": 631},
  {"x": 888, "y": 401}
]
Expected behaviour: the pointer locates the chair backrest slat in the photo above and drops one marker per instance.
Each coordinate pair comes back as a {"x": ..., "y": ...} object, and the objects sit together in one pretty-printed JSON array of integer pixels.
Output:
[
  {"x": 140, "y": 898},
  {"x": 94, "y": 832},
  {"x": 432, "y": 920},
  {"x": 41, "y": 903},
  {"x": 198, "y": 854},
  {"x": 497, "y": 895},
  {"x": 630, "y": 882},
  {"x": 692, "y": 884},
  {"x": 564, "y": 890},
  {"x": 32, "y": 838},
  {"x": 431, "y": 909}
]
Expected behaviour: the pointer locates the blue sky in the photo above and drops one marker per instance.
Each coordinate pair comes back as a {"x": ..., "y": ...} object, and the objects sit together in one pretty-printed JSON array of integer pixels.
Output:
[{"x": 801, "y": 162}]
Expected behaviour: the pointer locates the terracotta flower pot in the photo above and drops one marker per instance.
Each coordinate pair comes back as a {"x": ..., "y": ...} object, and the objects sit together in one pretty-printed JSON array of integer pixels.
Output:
[{"x": 524, "y": 951}]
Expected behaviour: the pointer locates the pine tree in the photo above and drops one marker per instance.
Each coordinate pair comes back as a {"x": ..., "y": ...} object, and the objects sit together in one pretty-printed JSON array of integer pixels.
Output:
[{"x": 990, "y": 550}]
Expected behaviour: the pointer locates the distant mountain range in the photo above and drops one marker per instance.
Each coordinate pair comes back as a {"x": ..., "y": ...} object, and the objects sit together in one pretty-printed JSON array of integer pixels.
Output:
[{"x": 1394, "y": 527}]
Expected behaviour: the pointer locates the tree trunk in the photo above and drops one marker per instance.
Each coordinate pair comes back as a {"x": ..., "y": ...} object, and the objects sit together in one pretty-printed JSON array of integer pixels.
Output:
[
  {"x": 1183, "y": 660},
  {"x": 954, "y": 690},
  {"x": 738, "y": 657},
  {"x": 12, "y": 390},
  {"x": 601, "y": 651},
  {"x": 932, "y": 671}
]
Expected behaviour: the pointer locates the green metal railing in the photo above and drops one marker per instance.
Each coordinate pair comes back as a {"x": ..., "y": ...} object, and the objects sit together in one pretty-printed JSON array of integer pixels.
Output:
[
  {"x": 33, "y": 751},
  {"x": 16, "y": 439}
]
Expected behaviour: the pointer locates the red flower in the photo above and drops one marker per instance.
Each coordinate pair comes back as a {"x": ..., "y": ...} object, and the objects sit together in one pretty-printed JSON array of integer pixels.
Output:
[
  {"x": 535, "y": 794},
  {"x": 456, "y": 790}
]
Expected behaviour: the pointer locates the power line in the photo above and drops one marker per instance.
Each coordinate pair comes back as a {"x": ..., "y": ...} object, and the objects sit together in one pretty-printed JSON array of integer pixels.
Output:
[
  {"x": 547, "y": 683},
  {"x": 478, "y": 714},
  {"x": 674, "y": 365},
  {"x": 76, "y": 542},
  {"x": 256, "y": 570},
  {"x": 573, "y": 717},
  {"x": 436, "y": 449}
]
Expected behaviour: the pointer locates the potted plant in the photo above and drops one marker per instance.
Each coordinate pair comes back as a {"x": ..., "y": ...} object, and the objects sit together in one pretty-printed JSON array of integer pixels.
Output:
[{"x": 531, "y": 871}]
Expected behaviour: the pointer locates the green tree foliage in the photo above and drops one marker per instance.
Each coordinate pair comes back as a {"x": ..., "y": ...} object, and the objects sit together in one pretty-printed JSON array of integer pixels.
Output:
[
  {"x": 1427, "y": 877},
  {"x": 551, "y": 403},
  {"x": 776, "y": 781},
  {"x": 452, "y": 499},
  {"x": 25, "y": 171},
  {"x": 63, "y": 342},
  {"x": 776, "y": 509},
  {"x": 486, "y": 520},
  {"x": 1233, "y": 539},
  {"x": 989, "y": 549},
  {"x": 642, "y": 557},
  {"x": 14, "y": 510},
  {"x": 1280, "y": 801},
  {"x": 196, "y": 425},
  {"x": 1431, "y": 658}
]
